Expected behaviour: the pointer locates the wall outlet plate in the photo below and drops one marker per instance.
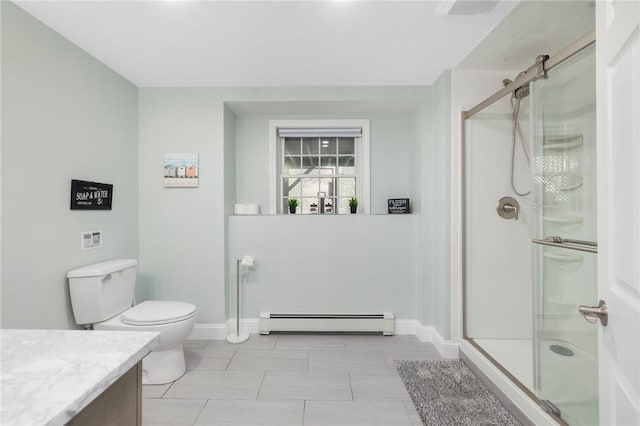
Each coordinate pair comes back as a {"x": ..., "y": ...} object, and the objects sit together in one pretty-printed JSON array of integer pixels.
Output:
[{"x": 90, "y": 240}]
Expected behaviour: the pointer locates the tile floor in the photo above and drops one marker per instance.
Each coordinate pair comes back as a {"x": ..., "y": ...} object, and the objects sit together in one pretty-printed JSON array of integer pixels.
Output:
[{"x": 286, "y": 379}]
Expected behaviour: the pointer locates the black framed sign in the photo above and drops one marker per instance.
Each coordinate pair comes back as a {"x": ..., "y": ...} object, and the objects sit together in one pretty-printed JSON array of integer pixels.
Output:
[
  {"x": 90, "y": 195},
  {"x": 398, "y": 205}
]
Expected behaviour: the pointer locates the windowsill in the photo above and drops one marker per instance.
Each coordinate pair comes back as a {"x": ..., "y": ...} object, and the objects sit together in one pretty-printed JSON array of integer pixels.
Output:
[{"x": 326, "y": 215}]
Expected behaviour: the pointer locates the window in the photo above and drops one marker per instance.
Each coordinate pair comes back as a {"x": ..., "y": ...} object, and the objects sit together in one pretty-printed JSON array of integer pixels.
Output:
[{"x": 322, "y": 164}]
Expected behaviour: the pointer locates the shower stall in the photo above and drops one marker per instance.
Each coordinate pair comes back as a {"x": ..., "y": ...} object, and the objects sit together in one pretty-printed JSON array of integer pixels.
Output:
[{"x": 529, "y": 231}]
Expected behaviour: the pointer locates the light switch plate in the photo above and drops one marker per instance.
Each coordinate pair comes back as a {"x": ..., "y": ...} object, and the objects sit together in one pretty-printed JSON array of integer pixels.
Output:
[{"x": 91, "y": 240}]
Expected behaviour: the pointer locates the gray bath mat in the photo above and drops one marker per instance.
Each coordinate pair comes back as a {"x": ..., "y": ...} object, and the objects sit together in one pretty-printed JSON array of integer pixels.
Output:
[{"x": 448, "y": 393}]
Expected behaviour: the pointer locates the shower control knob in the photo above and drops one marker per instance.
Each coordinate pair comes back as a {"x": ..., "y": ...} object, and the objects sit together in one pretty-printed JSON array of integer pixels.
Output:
[{"x": 508, "y": 208}]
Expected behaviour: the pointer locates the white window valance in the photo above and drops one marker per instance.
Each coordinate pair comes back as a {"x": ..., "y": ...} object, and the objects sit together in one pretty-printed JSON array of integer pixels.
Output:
[{"x": 341, "y": 132}]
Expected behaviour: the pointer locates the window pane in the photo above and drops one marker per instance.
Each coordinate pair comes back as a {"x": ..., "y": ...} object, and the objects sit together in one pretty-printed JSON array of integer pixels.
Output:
[
  {"x": 309, "y": 165},
  {"x": 343, "y": 206},
  {"x": 328, "y": 165},
  {"x": 310, "y": 146},
  {"x": 318, "y": 164},
  {"x": 347, "y": 160},
  {"x": 292, "y": 166},
  {"x": 346, "y": 146},
  {"x": 310, "y": 187},
  {"x": 328, "y": 205},
  {"x": 309, "y": 205},
  {"x": 347, "y": 187},
  {"x": 291, "y": 187},
  {"x": 328, "y": 146},
  {"x": 292, "y": 146},
  {"x": 327, "y": 185},
  {"x": 346, "y": 165}
]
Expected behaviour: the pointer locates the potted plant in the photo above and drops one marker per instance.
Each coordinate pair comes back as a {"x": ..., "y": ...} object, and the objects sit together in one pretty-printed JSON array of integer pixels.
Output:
[
  {"x": 353, "y": 204},
  {"x": 293, "y": 203}
]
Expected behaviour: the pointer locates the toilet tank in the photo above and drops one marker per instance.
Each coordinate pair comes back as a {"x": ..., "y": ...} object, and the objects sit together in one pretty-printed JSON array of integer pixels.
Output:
[{"x": 102, "y": 290}]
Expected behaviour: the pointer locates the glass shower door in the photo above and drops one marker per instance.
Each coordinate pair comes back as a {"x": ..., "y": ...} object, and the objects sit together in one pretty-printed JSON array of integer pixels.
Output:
[
  {"x": 564, "y": 210},
  {"x": 566, "y": 377}
]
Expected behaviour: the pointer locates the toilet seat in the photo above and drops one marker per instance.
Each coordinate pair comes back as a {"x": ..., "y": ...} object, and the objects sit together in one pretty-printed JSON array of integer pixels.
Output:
[{"x": 156, "y": 312}]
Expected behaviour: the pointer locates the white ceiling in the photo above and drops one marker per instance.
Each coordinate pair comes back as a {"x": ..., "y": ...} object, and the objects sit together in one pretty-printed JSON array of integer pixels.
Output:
[
  {"x": 532, "y": 28},
  {"x": 273, "y": 43}
]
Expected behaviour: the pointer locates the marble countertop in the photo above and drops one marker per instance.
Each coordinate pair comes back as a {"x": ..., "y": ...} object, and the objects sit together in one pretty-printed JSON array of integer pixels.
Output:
[{"x": 48, "y": 376}]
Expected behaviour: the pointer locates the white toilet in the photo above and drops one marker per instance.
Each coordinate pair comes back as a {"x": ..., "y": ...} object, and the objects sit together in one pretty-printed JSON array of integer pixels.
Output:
[{"x": 102, "y": 295}]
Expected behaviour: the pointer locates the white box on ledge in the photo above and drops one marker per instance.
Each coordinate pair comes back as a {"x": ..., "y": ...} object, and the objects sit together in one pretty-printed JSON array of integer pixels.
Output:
[{"x": 246, "y": 209}]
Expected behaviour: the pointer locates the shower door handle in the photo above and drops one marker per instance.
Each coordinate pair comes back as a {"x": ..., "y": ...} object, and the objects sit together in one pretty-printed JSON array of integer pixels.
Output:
[{"x": 594, "y": 313}]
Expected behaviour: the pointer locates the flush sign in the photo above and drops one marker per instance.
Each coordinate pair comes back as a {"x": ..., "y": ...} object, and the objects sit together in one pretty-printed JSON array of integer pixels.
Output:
[
  {"x": 90, "y": 195},
  {"x": 398, "y": 205},
  {"x": 90, "y": 240}
]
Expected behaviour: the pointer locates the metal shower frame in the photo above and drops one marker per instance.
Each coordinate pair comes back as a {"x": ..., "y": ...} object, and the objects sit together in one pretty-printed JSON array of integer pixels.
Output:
[{"x": 534, "y": 72}]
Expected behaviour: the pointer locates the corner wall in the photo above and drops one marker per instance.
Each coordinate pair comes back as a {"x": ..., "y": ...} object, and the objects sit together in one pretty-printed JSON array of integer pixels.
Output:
[
  {"x": 441, "y": 201},
  {"x": 434, "y": 220},
  {"x": 183, "y": 231},
  {"x": 64, "y": 116}
]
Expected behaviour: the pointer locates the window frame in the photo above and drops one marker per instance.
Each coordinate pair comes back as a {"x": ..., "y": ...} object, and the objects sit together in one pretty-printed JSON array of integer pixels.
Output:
[{"x": 362, "y": 155}]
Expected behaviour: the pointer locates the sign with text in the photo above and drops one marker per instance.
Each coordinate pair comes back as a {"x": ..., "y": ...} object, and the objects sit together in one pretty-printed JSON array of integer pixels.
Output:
[
  {"x": 90, "y": 195},
  {"x": 398, "y": 205}
]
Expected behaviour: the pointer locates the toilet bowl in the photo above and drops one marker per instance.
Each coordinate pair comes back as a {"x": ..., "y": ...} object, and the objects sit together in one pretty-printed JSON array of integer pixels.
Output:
[
  {"x": 174, "y": 321},
  {"x": 101, "y": 298}
]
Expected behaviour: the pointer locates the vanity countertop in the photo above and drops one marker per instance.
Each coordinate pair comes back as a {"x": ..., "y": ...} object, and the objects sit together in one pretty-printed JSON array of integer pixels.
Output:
[{"x": 48, "y": 376}]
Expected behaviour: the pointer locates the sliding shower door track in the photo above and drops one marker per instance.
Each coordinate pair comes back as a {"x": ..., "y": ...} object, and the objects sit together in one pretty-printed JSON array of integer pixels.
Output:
[{"x": 529, "y": 392}]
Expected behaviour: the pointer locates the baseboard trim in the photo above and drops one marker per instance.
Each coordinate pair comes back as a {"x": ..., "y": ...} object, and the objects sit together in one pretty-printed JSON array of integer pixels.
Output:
[
  {"x": 248, "y": 325},
  {"x": 209, "y": 332},
  {"x": 448, "y": 349},
  {"x": 220, "y": 331},
  {"x": 403, "y": 327}
]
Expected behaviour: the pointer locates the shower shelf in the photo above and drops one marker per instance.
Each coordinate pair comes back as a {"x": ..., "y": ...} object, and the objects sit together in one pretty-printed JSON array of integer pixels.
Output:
[
  {"x": 562, "y": 142},
  {"x": 564, "y": 219},
  {"x": 563, "y": 257},
  {"x": 564, "y": 181}
]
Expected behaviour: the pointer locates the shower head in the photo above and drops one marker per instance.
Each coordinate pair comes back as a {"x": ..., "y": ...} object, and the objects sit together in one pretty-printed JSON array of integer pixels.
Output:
[{"x": 521, "y": 92}]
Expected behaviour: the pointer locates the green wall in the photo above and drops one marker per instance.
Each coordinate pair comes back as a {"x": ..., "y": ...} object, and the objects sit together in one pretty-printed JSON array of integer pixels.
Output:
[
  {"x": 64, "y": 116},
  {"x": 193, "y": 221}
]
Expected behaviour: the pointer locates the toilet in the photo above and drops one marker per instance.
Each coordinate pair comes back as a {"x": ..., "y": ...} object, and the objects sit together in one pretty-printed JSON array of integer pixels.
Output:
[{"x": 102, "y": 295}]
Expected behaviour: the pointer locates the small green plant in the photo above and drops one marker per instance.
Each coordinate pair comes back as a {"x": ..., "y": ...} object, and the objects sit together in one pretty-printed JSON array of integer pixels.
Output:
[
  {"x": 353, "y": 202},
  {"x": 293, "y": 202}
]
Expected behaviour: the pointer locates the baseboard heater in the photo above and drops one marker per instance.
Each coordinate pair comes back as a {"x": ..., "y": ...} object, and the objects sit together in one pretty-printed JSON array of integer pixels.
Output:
[{"x": 383, "y": 323}]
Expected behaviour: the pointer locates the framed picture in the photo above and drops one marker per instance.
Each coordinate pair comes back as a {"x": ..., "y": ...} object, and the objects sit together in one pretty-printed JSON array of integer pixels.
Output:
[
  {"x": 181, "y": 170},
  {"x": 90, "y": 195}
]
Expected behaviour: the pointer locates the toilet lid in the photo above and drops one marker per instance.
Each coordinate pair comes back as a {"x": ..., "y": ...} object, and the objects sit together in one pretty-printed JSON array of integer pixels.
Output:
[{"x": 154, "y": 312}]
